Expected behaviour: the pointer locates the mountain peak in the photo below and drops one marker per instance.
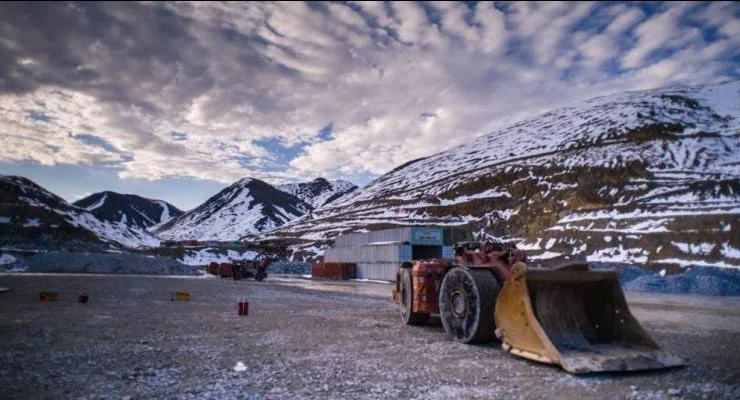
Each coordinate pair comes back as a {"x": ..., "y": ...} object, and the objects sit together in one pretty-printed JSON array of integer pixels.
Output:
[
  {"x": 130, "y": 209},
  {"x": 245, "y": 181},
  {"x": 246, "y": 207}
]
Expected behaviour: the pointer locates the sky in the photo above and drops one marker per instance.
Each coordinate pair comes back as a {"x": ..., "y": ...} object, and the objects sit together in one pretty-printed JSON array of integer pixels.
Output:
[{"x": 176, "y": 101}]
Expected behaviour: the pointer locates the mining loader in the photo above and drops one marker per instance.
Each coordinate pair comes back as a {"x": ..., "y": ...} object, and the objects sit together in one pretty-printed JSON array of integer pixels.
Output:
[{"x": 569, "y": 314}]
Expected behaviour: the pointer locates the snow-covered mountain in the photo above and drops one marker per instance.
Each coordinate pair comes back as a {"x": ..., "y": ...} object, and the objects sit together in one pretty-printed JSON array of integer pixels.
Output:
[
  {"x": 643, "y": 177},
  {"x": 247, "y": 207},
  {"x": 132, "y": 210},
  {"x": 28, "y": 211},
  {"x": 319, "y": 191}
]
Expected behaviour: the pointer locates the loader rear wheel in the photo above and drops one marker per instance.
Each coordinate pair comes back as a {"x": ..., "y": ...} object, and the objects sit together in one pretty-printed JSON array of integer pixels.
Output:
[
  {"x": 466, "y": 304},
  {"x": 407, "y": 296}
]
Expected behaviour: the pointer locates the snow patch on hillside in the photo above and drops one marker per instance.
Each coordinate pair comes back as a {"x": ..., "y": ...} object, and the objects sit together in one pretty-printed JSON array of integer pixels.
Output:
[{"x": 99, "y": 204}]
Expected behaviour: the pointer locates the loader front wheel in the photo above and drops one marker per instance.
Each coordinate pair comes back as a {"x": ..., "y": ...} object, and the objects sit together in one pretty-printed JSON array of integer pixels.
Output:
[
  {"x": 408, "y": 316},
  {"x": 466, "y": 304}
]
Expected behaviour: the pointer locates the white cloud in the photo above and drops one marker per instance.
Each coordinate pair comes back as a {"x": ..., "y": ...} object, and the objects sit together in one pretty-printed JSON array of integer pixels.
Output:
[
  {"x": 625, "y": 21},
  {"x": 493, "y": 30},
  {"x": 395, "y": 82},
  {"x": 660, "y": 32}
]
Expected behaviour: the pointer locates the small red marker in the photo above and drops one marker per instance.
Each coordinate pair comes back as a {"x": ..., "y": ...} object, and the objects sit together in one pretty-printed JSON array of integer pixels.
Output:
[{"x": 244, "y": 307}]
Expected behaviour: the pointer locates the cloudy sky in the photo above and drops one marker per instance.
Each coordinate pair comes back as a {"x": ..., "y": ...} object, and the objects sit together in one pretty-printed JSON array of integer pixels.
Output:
[{"x": 177, "y": 100}]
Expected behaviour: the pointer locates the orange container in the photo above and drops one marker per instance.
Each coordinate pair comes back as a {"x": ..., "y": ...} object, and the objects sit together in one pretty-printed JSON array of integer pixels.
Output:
[
  {"x": 336, "y": 271},
  {"x": 48, "y": 296},
  {"x": 181, "y": 296}
]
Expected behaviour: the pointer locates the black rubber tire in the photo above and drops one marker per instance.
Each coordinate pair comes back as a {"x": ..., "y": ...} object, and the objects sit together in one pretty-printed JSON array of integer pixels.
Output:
[
  {"x": 467, "y": 298},
  {"x": 405, "y": 295}
]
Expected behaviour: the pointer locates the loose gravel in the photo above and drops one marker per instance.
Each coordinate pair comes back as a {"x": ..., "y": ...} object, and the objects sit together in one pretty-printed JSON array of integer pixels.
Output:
[{"x": 309, "y": 340}]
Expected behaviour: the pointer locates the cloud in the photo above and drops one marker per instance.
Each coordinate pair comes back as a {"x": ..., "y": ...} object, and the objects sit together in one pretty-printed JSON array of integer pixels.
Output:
[
  {"x": 220, "y": 91},
  {"x": 661, "y": 32}
]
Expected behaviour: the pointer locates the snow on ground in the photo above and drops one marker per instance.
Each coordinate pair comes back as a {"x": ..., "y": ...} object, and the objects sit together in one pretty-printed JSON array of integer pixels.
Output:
[
  {"x": 722, "y": 99},
  {"x": 694, "y": 248},
  {"x": 618, "y": 255},
  {"x": 99, "y": 203},
  {"x": 546, "y": 255},
  {"x": 371, "y": 281},
  {"x": 165, "y": 211},
  {"x": 209, "y": 255},
  {"x": 530, "y": 246},
  {"x": 698, "y": 263},
  {"x": 490, "y": 193},
  {"x": 730, "y": 252},
  {"x": 617, "y": 215},
  {"x": 5, "y": 220}
]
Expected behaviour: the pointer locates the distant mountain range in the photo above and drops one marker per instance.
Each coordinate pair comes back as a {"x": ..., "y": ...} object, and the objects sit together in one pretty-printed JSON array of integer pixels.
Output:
[
  {"x": 648, "y": 177},
  {"x": 246, "y": 208},
  {"x": 639, "y": 177},
  {"x": 32, "y": 214}
]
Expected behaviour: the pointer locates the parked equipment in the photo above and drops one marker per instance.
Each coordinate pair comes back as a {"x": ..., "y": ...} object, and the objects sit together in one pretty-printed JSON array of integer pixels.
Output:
[
  {"x": 569, "y": 315},
  {"x": 267, "y": 253}
]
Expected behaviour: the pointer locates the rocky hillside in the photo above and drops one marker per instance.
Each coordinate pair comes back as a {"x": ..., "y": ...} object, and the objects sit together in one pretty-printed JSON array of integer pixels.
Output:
[
  {"x": 642, "y": 177},
  {"x": 129, "y": 209},
  {"x": 32, "y": 214},
  {"x": 319, "y": 191},
  {"x": 247, "y": 207}
]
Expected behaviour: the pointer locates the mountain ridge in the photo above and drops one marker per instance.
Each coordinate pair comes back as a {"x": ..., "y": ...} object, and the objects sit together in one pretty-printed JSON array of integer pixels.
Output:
[
  {"x": 131, "y": 209},
  {"x": 633, "y": 164},
  {"x": 245, "y": 208},
  {"x": 31, "y": 212}
]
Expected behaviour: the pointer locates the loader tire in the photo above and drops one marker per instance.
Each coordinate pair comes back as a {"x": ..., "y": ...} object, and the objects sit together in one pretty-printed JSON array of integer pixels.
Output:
[
  {"x": 467, "y": 298},
  {"x": 408, "y": 317}
]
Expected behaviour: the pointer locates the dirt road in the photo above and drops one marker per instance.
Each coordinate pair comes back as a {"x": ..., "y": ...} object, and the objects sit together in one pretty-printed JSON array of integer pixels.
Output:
[{"x": 311, "y": 340}]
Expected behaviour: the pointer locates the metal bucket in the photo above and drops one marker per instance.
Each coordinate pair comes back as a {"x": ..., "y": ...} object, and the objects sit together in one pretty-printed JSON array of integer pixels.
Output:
[{"x": 576, "y": 318}]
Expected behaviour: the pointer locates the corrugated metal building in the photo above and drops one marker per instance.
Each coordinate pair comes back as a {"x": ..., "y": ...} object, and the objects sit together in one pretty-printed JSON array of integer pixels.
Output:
[{"x": 378, "y": 254}]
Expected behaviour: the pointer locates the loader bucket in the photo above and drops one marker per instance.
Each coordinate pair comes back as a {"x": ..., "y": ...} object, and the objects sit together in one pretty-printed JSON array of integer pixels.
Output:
[{"x": 576, "y": 318}]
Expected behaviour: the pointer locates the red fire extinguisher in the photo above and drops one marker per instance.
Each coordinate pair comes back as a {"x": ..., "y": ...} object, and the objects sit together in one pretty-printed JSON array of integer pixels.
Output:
[{"x": 243, "y": 307}]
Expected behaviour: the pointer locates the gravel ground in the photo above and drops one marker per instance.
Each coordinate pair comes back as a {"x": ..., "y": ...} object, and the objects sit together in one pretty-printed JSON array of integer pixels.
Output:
[{"x": 304, "y": 339}]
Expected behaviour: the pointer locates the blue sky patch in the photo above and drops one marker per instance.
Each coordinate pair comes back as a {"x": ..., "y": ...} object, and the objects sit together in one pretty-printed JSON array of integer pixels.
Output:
[
  {"x": 38, "y": 116},
  {"x": 96, "y": 141}
]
